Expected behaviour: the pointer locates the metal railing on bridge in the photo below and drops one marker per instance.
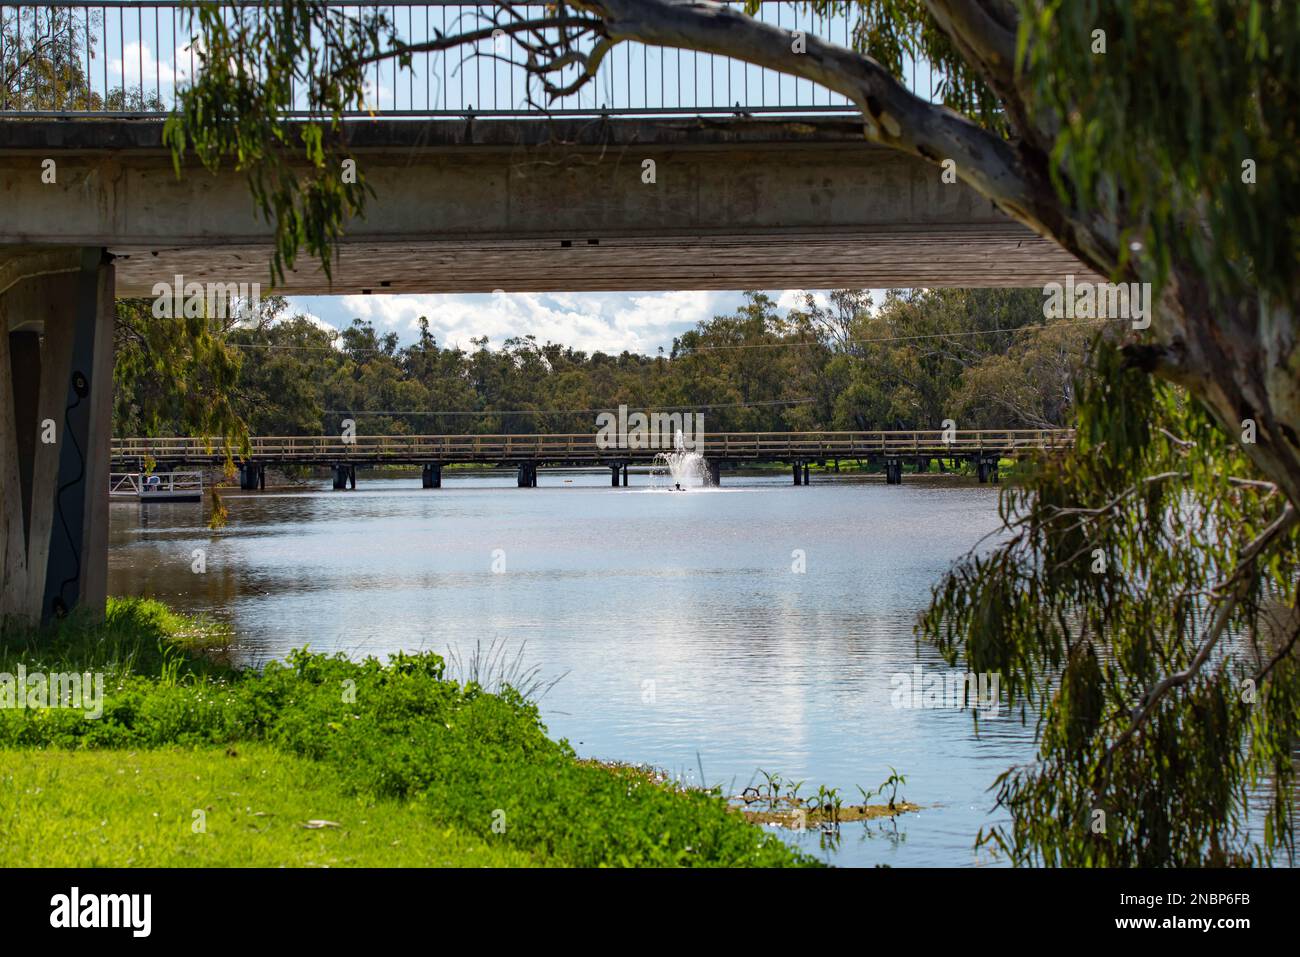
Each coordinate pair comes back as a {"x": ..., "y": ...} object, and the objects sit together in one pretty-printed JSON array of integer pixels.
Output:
[
  {"x": 132, "y": 58},
  {"x": 586, "y": 447}
]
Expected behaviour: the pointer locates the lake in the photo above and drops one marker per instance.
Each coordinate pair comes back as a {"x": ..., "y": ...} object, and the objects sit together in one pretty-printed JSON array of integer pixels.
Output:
[{"x": 681, "y": 628}]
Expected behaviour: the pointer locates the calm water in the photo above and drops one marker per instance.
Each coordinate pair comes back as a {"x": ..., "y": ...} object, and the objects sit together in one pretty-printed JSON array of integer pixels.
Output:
[{"x": 687, "y": 639}]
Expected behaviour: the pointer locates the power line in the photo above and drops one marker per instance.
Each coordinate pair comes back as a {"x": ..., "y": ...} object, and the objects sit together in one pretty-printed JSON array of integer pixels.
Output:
[
  {"x": 663, "y": 408},
  {"x": 276, "y": 345},
  {"x": 345, "y": 352},
  {"x": 932, "y": 335}
]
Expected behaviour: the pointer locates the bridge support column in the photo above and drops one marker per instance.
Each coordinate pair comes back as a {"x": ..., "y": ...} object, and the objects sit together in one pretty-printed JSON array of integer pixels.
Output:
[
  {"x": 56, "y": 390},
  {"x": 25, "y": 364},
  {"x": 431, "y": 475},
  {"x": 613, "y": 475},
  {"x": 987, "y": 468},
  {"x": 528, "y": 475},
  {"x": 714, "y": 467},
  {"x": 806, "y": 468},
  {"x": 798, "y": 474},
  {"x": 893, "y": 471},
  {"x": 342, "y": 474},
  {"x": 625, "y": 467},
  {"x": 252, "y": 477}
]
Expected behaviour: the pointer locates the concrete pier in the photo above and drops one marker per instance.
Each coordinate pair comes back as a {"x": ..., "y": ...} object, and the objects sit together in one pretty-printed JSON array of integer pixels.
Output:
[{"x": 56, "y": 362}]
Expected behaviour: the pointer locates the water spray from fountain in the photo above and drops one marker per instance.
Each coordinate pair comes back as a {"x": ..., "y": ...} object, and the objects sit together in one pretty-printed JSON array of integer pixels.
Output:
[{"x": 687, "y": 468}]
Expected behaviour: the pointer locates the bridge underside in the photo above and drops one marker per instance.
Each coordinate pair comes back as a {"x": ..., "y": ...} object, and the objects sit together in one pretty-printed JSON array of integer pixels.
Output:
[
  {"x": 538, "y": 206},
  {"x": 885, "y": 257}
]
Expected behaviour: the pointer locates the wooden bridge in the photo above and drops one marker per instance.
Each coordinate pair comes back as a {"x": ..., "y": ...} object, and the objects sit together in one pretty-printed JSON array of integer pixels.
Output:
[{"x": 983, "y": 447}]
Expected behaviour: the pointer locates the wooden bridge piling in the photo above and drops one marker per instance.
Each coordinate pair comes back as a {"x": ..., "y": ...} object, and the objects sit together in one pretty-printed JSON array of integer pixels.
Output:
[
  {"x": 252, "y": 477},
  {"x": 986, "y": 468}
]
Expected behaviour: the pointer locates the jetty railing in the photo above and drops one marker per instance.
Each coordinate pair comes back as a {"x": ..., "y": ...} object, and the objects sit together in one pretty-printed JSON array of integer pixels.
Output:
[{"x": 132, "y": 484}]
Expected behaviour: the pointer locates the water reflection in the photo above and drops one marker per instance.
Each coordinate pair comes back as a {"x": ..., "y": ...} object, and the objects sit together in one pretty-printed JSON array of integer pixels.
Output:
[{"x": 691, "y": 640}]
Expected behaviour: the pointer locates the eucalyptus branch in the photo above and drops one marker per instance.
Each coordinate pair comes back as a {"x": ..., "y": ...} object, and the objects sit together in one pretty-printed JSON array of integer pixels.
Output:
[
  {"x": 1059, "y": 511},
  {"x": 451, "y": 41},
  {"x": 1181, "y": 443},
  {"x": 1218, "y": 624},
  {"x": 1282, "y": 653}
]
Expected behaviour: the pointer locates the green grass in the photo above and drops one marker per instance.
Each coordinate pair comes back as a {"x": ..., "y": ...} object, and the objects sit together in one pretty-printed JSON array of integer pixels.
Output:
[
  {"x": 478, "y": 763},
  {"x": 137, "y": 808}
]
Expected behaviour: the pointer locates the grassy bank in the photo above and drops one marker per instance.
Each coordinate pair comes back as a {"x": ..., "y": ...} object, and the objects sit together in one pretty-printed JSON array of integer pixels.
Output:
[
  {"x": 362, "y": 741},
  {"x": 242, "y": 806}
]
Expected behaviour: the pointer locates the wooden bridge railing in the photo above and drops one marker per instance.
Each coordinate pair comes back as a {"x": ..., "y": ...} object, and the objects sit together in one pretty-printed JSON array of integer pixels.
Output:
[{"x": 577, "y": 447}]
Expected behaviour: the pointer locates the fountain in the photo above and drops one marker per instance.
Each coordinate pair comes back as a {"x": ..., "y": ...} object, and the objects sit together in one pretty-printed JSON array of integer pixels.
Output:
[{"x": 686, "y": 468}]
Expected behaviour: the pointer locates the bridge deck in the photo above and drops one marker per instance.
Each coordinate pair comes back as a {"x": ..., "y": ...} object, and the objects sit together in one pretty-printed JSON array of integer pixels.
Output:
[{"x": 584, "y": 448}]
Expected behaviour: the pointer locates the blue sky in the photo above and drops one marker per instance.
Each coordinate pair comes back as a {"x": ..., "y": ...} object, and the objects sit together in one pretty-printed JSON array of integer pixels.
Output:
[{"x": 605, "y": 321}]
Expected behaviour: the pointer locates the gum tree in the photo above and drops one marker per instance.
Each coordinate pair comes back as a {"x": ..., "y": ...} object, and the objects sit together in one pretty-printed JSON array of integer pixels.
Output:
[{"x": 1142, "y": 603}]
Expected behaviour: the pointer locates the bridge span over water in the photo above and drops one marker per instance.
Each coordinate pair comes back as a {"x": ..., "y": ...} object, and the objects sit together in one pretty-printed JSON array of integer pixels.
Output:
[
  {"x": 984, "y": 448},
  {"x": 673, "y": 170}
]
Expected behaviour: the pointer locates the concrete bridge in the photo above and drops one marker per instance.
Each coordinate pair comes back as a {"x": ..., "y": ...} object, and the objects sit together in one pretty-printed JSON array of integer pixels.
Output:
[
  {"x": 982, "y": 447},
  {"x": 537, "y": 205},
  {"x": 671, "y": 170},
  {"x": 704, "y": 187}
]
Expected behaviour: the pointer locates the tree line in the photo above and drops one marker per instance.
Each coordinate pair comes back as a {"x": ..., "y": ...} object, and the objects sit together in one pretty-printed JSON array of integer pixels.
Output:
[{"x": 983, "y": 358}]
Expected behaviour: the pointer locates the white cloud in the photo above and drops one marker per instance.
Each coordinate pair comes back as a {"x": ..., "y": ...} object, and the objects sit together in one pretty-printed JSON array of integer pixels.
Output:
[
  {"x": 608, "y": 322},
  {"x": 794, "y": 299},
  {"x": 159, "y": 75},
  {"x": 314, "y": 319}
]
